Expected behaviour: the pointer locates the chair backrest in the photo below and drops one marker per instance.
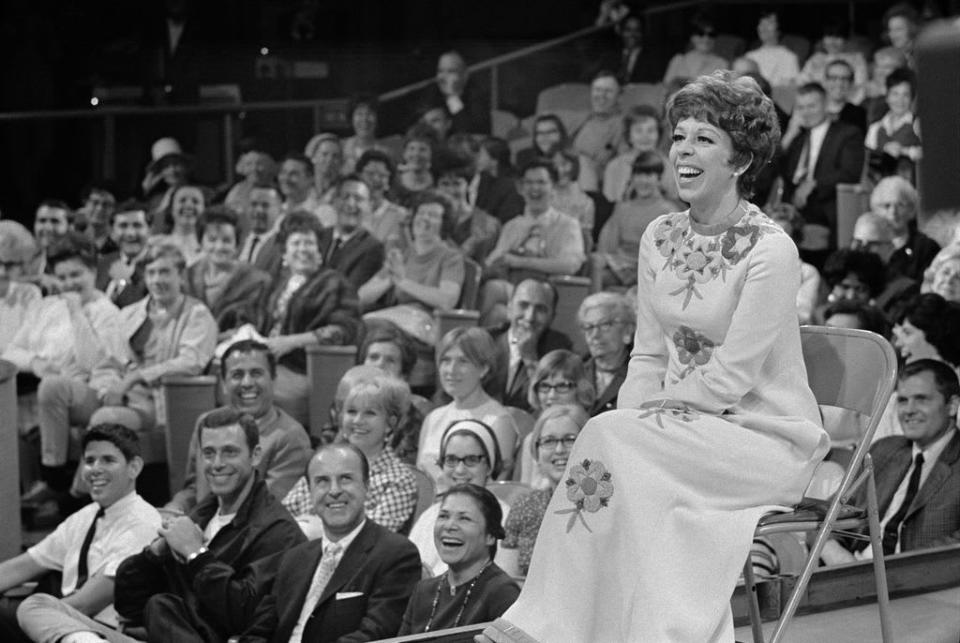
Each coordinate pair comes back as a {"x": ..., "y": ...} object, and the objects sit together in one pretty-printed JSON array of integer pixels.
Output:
[
  {"x": 447, "y": 320},
  {"x": 10, "y": 471},
  {"x": 799, "y": 45},
  {"x": 729, "y": 46},
  {"x": 852, "y": 200},
  {"x": 426, "y": 494},
  {"x": 471, "y": 284},
  {"x": 186, "y": 399},
  {"x": 564, "y": 97},
  {"x": 642, "y": 94},
  {"x": 784, "y": 96},
  {"x": 571, "y": 291},
  {"x": 854, "y": 370},
  {"x": 508, "y": 490},
  {"x": 503, "y": 123},
  {"x": 325, "y": 366}
]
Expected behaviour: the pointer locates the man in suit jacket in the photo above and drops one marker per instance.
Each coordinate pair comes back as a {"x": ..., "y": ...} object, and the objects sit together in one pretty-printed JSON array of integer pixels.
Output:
[
  {"x": 120, "y": 273},
  {"x": 348, "y": 247},
  {"x": 928, "y": 396},
  {"x": 608, "y": 321},
  {"x": 824, "y": 154},
  {"x": 497, "y": 195},
  {"x": 524, "y": 339},
  {"x": 353, "y": 583},
  {"x": 838, "y": 82}
]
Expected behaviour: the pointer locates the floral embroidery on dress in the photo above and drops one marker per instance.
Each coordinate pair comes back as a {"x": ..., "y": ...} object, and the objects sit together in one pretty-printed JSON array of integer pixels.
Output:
[
  {"x": 683, "y": 413},
  {"x": 693, "y": 349},
  {"x": 588, "y": 488}
]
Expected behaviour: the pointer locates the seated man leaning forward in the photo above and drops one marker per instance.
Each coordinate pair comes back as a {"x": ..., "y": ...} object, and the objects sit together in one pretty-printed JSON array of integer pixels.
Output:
[
  {"x": 88, "y": 546},
  {"x": 199, "y": 579},
  {"x": 353, "y": 583},
  {"x": 247, "y": 372},
  {"x": 165, "y": 333}
]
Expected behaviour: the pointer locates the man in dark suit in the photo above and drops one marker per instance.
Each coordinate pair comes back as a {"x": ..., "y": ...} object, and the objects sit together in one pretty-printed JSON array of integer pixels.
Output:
[
  {"x": 354, "y": 582},
  {"x": 631, "y": 61},
  {"x": 824, "y": 154},
  {"x": 467, "y": 102},
  {"x": 348, "y": 247},
  {"x": 838, "y": 82},
  {"x": 917, "y": 474},
  {"x": 497, "y": 195},
  {"x": 524, "y": 339},
  {"x": 120, "y": 273},
  {"x": 608, "y": 321}
]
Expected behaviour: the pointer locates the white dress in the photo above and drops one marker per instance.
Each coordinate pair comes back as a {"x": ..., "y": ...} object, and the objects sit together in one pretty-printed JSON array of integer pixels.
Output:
[{"x": 645, "y": 538}]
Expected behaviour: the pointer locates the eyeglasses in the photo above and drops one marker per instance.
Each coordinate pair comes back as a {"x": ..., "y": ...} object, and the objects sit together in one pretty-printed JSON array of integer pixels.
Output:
[
  {"x": 603, "y": 326},
  {"x": 551, "y": 442},
  {"x": 559, "y": 387},
  {"x": 470, "y": 461},
  {"x": 843, "y": 77}
]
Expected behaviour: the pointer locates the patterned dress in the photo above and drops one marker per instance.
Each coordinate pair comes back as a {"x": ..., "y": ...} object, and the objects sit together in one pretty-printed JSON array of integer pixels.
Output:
[{"x": 645, "y": 538}]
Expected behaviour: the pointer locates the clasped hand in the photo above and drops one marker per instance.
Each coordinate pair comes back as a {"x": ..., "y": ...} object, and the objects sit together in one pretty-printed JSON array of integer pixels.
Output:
[{"x": 183, "y": 536}]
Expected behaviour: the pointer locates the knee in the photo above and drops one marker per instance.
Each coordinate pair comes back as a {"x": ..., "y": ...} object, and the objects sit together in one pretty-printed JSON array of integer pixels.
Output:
[
  {"x": 53, "y": 390},
  {"x": 161, "y": 609},
  {"x": 117, "y": 415},
  {"x": 33, "y": 605}
]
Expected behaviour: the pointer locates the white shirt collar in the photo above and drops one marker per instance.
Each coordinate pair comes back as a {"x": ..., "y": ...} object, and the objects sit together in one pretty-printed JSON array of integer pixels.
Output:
[
  {"x": 344, "y": 542},
  {"x": 933, "y": 451}
]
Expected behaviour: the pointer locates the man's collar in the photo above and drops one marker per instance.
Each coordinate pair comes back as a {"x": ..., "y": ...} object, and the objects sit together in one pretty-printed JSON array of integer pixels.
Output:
[
  {"x": 347, "y": 540},
  {"x": 121, "y": 504}
]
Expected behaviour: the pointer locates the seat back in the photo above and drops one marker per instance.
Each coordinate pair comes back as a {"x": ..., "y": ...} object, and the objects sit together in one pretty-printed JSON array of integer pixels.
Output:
[
  {"x": 571, "y": 291},
  {"x": 852, "y": 201},
  {"x": 447, "y": 320},
  {"x": 325, "y": 366},
  {"x": 186, "y": 399},
  {"x": 471, "y": 284},
  {"x": 426, "y": 494},
  {"x": 508, "y": 490},
  {"x": 564, "y": 97},
  {"x": 642, "y": 94},
  {"x": 10, "y": 471}
]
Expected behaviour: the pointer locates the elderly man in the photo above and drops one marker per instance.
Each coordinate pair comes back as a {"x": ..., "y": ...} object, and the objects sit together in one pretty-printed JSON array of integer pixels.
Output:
[
  {"x": 199, "y": 579},
  {"x": 17, "y": 247},
  {"x": 348, "y": 247},
  {"x": 524, "y": 339},
  {"x": 599, "y": 136},
  {"x": 467, "y": 103},
  {"x": 918, "y": 473},
  {"x": 247, "y": 372},
  {"x": 352, "y": 583},
  {"x": 326, "y": 153},
  {"x": 838, "y": 81},
  {"x": 607, "y": 321},
  {"x": 88, "y": 546},
  {"x": 896, "y": 200},
  {"x": 120, "y": 273}
]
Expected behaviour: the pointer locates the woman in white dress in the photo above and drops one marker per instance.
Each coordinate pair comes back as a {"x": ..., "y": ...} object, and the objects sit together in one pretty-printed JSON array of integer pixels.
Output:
[{"x": 645, "y": 538}]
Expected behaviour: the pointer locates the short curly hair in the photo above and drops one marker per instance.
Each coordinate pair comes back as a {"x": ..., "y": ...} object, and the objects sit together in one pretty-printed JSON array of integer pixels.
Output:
[
  {"x": 867, "y": 266},
  {"x": 738, "y": 107}
]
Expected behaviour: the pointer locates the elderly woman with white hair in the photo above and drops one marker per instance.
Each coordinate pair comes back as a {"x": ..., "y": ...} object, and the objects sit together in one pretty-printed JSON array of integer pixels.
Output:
[
  {"x": 896, "y": 200},
  {"x": 943, "y": 275},
  {"x": 608, "y": 321},
  {"x": 17, "y": 248}
]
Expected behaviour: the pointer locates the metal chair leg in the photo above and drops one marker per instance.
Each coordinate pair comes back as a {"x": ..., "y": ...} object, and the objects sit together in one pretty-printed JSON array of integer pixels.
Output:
[
  {"x": 753, "y": 601},
  {"x": 876, "y": 544}
]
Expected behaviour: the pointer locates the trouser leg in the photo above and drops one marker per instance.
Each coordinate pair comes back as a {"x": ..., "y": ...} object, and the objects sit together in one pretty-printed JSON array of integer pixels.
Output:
[
  {"x": 46, "y": 619},
  {"x": 170, "y": 618},
  {"x": 62, "y": 401}
]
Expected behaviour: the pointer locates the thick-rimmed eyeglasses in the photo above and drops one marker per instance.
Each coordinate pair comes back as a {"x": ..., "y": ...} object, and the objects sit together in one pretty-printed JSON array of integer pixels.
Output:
[
  {"x": 602, "y": 326},
  {"x": 551, "y": 442},
  {"x": 559, "y": 387},
  {"x": 470, "y": 461}
]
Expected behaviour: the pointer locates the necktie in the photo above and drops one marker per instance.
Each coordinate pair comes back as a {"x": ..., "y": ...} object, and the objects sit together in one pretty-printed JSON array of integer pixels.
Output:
[
  {"x": 334, "y": 247},
  {"x": 891, "y": 534},
  {"x": 306, "y": 623},
  {"x": 254, "y": 241},
  {"x": 82, "y": 570},
  {"x": 801, "y": 172}
]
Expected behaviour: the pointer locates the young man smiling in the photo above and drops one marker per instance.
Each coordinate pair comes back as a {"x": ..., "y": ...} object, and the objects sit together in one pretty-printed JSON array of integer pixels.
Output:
[{"x": 88, "y": 546}]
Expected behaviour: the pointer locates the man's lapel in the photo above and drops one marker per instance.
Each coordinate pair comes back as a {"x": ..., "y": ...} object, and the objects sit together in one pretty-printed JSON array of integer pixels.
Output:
[{"x": 351, "y": 561}]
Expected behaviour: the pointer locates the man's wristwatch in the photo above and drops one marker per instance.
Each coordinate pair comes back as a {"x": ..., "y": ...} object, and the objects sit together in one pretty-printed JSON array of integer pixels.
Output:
[{"x": 193, "y": 556}]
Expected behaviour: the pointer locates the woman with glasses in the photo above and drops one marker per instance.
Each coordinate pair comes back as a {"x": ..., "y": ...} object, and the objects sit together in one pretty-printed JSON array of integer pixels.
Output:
[
  {"x": 469, "y": 454},
  {"x": 466, "y": 362},
  {"x": 388, "y": 221},
  {"x": 699, "y": 60},
  {"x": 553, "y": 436},
  {"x": 608, "y": 321}
]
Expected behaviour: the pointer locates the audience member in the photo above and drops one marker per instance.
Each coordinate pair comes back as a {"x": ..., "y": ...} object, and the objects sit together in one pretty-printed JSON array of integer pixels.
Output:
[
  {"x": 469, "y": 454},
  {"x": 834, "y": 48},
  {"x": 598, "y": 137},
  {"x": 466, "y": 533},
  {"x": 893, "y": 141},
  {"x": 326, "y": 154},
  {"x": 554, "y": 434},
  {"x": 844, "y": 313},
  {"x": 777, "y": 64},
  {"x": 493, "y": 157},
  {"x": 88, "y": 546},
  {"x": 265, "y": 214},
  {"x": 17, "y": 248},
  {"x": 120, "y": 273},
  {"x": 386, "y": 220},
  {"x": 943, "y": 275},
  {"x": 523, "y": 339},
  {"x": 166, "y": 332},
  {"x": 927, "y": 329},
  {"x": 168, "y": 169},
  {"x": 873, "y": 233},
  {"x": 438, "y": 119},
  {"x": 897, "y": 201},
  {"x": 414, "y": 172},
  {"x": 256, "y": 168},
  {"x": 856, "y": 275},
  {"x": 177, "y": 224},
  {"x": 608, "y": 321},
  {"x": 348, "y": 247},
  {"x": 918, "y": 473},
  {"x": 51, "y": 222},
  {"x": 902, "y": 22},
  {"x": 99, "y": 204},
  {"x": 493, "y": 188},
  {"x": 642, "y": 131},
  {"x": 429, "y": 273},
  {"x": 632, "y": 62},
  {"x": 467, "y": 360},
  {"x": 885, "y": 61},
  {"x": 199, "y": 579},
  {"x": 473, "y": 230},
  {"x": 310, "y": 304},
  {"x": 838, "y": 82},
  {"x": 364, "y": 112},
  {"x": 232, "y": 290},
  {"x": 353, "y": 583},
  {"x": 247, "y": 373},
  {"x": 787, "y": 217},
  {"x": 296, "y": 184},
  {"x": 619, "y": 243},
  {"x": 549, "y": 135},
  {"x": 822, "y": 155},
  {"x": 569, "y": 198},
  {"x": 699, "y": 60},
  {"x": 465, "y": 101}
]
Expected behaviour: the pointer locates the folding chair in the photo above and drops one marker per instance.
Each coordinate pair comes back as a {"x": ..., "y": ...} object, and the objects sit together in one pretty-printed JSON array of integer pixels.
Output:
[
  {"x": 571, "y": 291},
  {"x": 852, "y": 201},
  {"x": 855, "y": 370},
  {"x": 325, "y": 366},
  {"x": 508, "y": 490}
]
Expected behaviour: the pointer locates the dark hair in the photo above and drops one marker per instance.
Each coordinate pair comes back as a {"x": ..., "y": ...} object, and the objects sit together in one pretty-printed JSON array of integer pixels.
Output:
[
  {"x": 647, "y": 162},
  {"x": 495, "y": 459},
  {"x": 842, "y": 63},
  {"x": 105, "y": 187},
  {"x": 73, "y": 245},
  {"x": 489, "y": 506},
  {"x": 638, "y": 113},
  {"x": 432, "y": 196},
  {"x": 226, "y": 416},
  {"x": 348, "y": 446},
  {"x": 553, "y": 118},
  {"x": 569, "y": 365},
  {"x": 539, "y": 163},
  {"x": 369, "y": 101},
  {"x": 702, "y": 23},
  {"x": 422, "y": 133},
  {"x": 835, "y": 28},
  {"x": 900, "y": 76},
  {"x": 789, "y": 212},
  {"x": 543, "y": 283},
  {"x": 125, "y": 439},
  {"x": 219, "y": 215},
  {"x": 353, "y": 177},
  {"x": 376, "y": 156},
  {"x": 248, "y": 346},
  {"x": 869, "y": 317},
  {"x": 944, "y": 376},
  {"x": 55, "y": 203},
  {"x": 573, "y": 159},
  {"x": 939, "y": 320},
  {"x": 499, "y": 150},
  {"x": 449, "y": 162},
  {"x": 298, "y": 221},
  {"x": 383, "y": 331},
  {"x": 867, "y": 266},
  {"x": 301, "y": 158},
  {"x": 812, "y": 87},
  {"x": 739, "y": 108},
  {"x": 901, "y": 10},
  {"x": 605, "y": 73},
  {"x": 132, "y": 205}
]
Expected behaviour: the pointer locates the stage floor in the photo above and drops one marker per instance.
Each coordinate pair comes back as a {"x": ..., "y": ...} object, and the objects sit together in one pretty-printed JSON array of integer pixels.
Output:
[{"x": 925, "y": 618}]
